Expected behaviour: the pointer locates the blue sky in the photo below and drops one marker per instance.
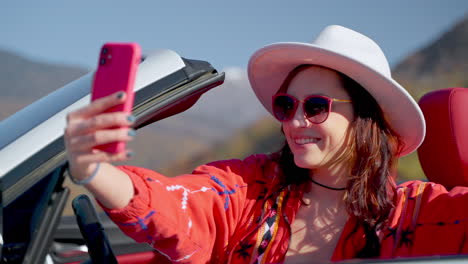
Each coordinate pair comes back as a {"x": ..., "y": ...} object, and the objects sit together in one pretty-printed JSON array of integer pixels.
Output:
[{"x": 224, "y": 33}]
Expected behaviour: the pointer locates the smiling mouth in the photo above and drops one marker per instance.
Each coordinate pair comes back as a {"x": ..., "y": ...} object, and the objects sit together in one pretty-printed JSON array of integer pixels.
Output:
[{"x": 303, "y": 141}]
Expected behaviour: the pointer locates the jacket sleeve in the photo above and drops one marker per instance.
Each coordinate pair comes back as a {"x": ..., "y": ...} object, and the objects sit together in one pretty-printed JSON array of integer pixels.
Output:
[{"x": 185, "y": 216}]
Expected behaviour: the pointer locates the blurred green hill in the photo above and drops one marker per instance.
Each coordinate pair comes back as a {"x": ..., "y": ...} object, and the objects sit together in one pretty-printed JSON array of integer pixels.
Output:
[
  {"x": 443, "y": 63},
  {"x": 263, "y": 136}
]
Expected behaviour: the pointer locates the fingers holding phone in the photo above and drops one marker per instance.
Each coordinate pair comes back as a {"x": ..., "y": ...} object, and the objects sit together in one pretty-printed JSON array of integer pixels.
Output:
[
  {"x": 92, "y": 126},
  {"x": 95, "y": 116},
  {"x": 98, "y": 106},
  {"x": 99, "y": 132}
]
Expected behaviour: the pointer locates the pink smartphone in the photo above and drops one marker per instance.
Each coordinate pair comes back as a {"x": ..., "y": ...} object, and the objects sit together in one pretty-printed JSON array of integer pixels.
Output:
[{"x": 117, "y": 67}]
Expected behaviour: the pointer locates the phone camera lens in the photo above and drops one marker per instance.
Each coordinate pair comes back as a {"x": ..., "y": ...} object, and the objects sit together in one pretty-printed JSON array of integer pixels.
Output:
[
  {"x": 102, "y": 61},
  {"x": 105, "y": 50}
]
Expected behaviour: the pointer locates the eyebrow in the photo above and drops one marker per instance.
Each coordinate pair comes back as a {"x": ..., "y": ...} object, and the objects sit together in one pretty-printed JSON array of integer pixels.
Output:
[{"x": 321, "y": 94}]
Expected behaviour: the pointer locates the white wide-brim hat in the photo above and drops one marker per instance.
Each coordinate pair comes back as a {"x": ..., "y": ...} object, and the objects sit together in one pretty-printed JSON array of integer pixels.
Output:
[{"x": 352, "y": 54}]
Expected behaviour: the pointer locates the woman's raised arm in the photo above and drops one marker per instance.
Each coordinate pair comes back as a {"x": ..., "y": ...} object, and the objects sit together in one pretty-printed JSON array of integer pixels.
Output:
[{"x": 88, "y": 127}]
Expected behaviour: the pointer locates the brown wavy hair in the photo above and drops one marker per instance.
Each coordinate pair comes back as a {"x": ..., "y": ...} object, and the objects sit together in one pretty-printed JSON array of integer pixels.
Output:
[{"x": 371, "y": 156}]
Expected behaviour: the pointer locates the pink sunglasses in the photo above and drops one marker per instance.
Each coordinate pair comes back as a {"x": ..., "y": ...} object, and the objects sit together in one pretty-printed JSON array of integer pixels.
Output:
[{"x": 316, "y": 107}]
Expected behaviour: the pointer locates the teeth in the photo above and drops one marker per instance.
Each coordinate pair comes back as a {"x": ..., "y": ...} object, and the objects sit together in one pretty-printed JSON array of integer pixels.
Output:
[{"x": 302, "y": 141}]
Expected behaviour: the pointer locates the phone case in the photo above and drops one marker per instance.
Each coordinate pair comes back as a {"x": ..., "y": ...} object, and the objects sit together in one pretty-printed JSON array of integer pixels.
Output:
[{"x": 117, "y": 67}]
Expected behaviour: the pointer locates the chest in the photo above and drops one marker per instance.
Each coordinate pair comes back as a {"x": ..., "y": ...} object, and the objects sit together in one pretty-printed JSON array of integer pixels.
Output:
[{"x": 315, "y": 234}]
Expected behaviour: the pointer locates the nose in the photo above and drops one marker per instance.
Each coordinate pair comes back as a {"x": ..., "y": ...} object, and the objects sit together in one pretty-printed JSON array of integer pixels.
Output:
[{"x": 300, "y": 119}]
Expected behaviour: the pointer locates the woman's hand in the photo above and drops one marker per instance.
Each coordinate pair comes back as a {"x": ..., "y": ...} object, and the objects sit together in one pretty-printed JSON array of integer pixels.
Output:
[{"x": 89, "y": 127}]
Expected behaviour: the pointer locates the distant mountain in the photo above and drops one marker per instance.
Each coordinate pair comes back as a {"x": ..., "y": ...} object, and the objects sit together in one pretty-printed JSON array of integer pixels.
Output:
[
  {"x": 28, "y": 79},
  {"x": 442, "y": 63},
  {"x": 216, "y": 117},
  {"x": 23, "y": 81},
  {"x": 219, "y": 112},
  {"x": 232, "y": 105}
]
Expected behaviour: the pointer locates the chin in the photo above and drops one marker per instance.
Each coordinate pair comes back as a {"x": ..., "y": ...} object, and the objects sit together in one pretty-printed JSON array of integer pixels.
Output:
[{"x": 305, "y": 163}]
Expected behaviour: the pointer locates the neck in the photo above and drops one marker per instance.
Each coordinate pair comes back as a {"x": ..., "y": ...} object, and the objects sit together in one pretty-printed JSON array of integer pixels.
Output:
[
  {"x": 326, "y": 186},
  {"x": 324, "y": 197},
  {"x": 333, "y": 176}
]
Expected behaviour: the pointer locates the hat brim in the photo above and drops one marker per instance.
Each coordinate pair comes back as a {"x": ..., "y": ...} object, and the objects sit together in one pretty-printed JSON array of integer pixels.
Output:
[{"x": 269, "y": 66}]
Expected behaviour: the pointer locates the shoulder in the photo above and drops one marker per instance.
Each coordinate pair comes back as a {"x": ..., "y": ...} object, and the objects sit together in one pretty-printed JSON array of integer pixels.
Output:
[
  {"x": 253, "y": 167},
  {"x": 430, "y": 191},
  {"x": 417, "y": 187}
]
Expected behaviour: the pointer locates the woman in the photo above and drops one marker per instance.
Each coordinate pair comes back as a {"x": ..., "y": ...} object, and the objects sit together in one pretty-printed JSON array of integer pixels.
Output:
[{"x": 328, "y": 194}]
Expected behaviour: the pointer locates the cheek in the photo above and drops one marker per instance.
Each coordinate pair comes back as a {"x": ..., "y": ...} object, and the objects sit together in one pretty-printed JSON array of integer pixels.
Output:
[{"x": 337, "y": 128}]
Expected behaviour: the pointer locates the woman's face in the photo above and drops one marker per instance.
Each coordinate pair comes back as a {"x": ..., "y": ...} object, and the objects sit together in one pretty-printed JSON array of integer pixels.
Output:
[{"x": 313, "y": 145}]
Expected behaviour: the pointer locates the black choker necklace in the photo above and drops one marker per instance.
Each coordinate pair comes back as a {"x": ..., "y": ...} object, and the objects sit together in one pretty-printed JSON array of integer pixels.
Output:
[{"x": 328, "y": 187}]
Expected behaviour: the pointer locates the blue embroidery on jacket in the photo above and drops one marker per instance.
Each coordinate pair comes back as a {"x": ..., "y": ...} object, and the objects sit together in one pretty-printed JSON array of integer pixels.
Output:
[
  {"x": 225, "y": 191},
  {"x": 140, "y": 221}
]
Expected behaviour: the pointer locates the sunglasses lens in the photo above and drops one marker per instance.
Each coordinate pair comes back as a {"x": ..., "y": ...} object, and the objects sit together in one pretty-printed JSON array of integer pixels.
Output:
[
  {"x": 316, "y": 109},
  {"x": 283, "y": 107}
]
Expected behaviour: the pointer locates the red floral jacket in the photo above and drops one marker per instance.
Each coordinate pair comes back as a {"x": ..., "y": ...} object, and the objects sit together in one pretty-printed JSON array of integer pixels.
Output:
[{"x": 234, "y": 211}]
